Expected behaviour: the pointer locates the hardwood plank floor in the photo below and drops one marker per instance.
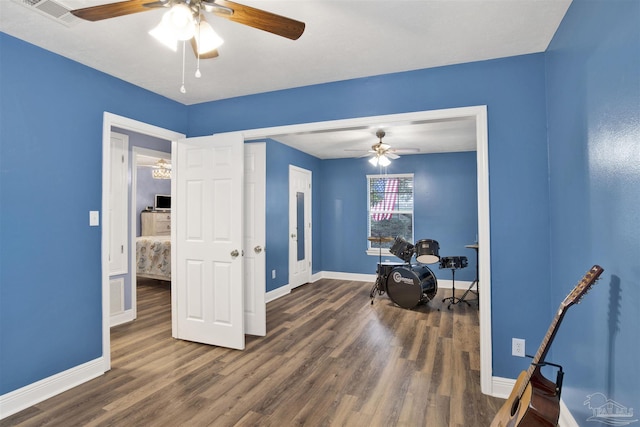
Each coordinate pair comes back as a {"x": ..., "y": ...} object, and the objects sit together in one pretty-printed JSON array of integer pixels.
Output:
[{"x": 330, "y": 358}]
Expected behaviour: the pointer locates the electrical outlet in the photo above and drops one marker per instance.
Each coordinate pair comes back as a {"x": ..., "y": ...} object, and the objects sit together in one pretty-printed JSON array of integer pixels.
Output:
[
  {"x": 273, "y": 274},
  {"x": 517, "y": 347}
]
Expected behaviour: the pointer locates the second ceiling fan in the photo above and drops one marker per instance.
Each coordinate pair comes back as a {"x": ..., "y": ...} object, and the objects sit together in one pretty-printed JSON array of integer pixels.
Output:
[
  {"x": 382, "y": 153},
  {"x": 185, "y": 19}
]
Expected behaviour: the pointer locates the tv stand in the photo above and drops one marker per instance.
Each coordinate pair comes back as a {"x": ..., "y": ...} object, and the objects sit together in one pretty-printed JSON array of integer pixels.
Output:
[{"x": 155, "y": 223}]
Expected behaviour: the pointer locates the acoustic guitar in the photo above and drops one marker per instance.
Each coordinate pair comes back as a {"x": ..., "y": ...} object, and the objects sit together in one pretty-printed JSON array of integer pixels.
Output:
[{"x": 535, "y": 400}]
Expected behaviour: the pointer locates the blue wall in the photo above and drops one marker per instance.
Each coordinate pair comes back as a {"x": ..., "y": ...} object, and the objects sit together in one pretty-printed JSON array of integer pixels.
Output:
[
  {"x": 445, "y": 209},
  {"x": 593, "y": 86},
  {"x": 279, "y": 157},
  {"x": 514, "y": 91},
  {"x": 50, "y": 178}
]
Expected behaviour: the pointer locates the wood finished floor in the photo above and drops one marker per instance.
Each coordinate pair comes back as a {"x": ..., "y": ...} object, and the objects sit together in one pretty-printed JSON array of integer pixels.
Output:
[{"x": 330, "y": 358}]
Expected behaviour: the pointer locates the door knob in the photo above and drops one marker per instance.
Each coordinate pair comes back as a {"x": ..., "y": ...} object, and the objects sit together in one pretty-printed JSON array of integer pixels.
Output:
[
  {"x": 257, "y": 249},
  {"x": 234, "y": 253}
]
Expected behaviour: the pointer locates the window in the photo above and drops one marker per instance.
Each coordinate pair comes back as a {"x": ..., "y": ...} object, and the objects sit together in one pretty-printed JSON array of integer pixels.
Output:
[{"x": 390, "y": 207}]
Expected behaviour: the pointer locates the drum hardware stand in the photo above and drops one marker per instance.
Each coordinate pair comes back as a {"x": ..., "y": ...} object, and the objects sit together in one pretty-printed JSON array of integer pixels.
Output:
[
  {"x": 453, "y": 300},
  {"x": 476, "y": 282},
  {"x": 378, "y": 285}
]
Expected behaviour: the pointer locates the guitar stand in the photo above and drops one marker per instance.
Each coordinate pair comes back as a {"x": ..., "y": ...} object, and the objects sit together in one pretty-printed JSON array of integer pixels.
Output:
[
  {"x": 453, "y": 299},
  {"x": 559, "y": 374}
]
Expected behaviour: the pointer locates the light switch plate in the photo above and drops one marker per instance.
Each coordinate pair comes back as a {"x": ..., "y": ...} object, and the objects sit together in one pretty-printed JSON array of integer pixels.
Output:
[{"x": 94, "y": 218}]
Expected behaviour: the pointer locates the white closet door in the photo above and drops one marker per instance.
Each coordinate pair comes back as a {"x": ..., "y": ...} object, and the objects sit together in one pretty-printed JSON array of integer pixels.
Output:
[
  {"x": 118, "y": 212},
  {"x": 255, "y": 308}
]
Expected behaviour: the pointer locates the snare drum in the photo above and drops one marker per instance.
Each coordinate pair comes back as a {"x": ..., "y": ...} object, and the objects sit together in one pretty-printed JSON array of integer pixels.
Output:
[
  {"x": 427, "y": 251},
  {"x": 402, "y": 249},
  {"x": 408, "y": 286},
  {"x": 453, "y": 262}
]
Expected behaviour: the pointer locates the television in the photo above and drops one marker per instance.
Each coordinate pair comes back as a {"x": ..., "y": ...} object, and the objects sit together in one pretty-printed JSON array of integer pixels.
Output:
[{"x": 162, "y": 202}]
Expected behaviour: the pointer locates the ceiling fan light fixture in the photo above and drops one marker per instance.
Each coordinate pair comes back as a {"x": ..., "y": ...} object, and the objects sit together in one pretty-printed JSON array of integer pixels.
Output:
[
  {"x": 207, "y": 39},
  {"x": 179, "y": 19},
  {"x": 165, "y": 36},
  {"x": 384, "y": 161}
]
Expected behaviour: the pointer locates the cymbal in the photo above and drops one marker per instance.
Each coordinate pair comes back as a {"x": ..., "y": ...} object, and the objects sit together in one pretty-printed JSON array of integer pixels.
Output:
[{"x": 380, "y": 239}]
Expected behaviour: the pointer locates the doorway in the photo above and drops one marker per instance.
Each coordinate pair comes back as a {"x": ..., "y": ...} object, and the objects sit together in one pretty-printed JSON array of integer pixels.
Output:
[
  {"x": 479, "y": 115},
  {"x": 141, "y": 159},
  {"x": 110, "y": 123}
]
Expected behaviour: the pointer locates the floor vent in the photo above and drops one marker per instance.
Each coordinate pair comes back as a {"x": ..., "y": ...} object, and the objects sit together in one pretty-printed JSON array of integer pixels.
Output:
[{"x": 51, "y": 9}]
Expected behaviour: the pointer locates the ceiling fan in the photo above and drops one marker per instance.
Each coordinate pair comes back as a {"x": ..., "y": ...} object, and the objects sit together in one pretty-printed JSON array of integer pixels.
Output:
[
  {"x": 383, "y": 153},
  {"x": 187, "y": 15}
]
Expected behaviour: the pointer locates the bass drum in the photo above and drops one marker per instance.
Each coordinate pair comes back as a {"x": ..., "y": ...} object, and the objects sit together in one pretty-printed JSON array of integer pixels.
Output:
[{"x": 409, "y": 286}]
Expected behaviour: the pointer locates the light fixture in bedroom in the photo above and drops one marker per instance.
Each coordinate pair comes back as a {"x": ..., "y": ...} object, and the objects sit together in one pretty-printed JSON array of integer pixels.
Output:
[
  {"x": 161, "y": 170},
  {"x": 380, "y": 159}
]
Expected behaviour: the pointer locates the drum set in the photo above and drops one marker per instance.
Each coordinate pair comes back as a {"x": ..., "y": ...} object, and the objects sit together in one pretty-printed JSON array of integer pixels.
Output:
[{"x": 407, "y": 285}]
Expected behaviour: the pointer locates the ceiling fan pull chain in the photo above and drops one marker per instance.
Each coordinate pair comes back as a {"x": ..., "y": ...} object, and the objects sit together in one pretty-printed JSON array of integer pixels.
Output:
[
  {"x": 198, "y": 73},
  {"x": 182, "y": 89}
]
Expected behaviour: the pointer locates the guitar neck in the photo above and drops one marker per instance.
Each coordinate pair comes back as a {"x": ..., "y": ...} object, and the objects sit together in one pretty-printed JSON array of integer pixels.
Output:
[
  {"x": 578, "y": 292},
  {"x": 543, "y": 349}
]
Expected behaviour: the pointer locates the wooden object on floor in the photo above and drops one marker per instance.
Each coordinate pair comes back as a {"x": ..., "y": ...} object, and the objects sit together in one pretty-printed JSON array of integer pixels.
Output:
[{"x": 330, "y": 358}]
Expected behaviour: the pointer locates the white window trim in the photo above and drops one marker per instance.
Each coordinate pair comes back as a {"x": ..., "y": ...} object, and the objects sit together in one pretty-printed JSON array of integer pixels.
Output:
[{"x": 385, "y": 251}]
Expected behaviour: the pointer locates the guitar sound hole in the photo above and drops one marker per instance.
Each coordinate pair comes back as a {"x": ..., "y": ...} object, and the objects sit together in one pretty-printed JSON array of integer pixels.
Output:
[{"x": 514, "y": 407}]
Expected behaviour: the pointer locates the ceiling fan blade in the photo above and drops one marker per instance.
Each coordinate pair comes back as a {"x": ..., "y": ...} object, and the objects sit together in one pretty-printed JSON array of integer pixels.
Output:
[
  {"x": 260, "y": 19},
  {"x": 112, "y": 10},
  {"x": 405, "y": 150},
  {"x": 392, "y": 156},
  {"x": 208, "y": 55}
]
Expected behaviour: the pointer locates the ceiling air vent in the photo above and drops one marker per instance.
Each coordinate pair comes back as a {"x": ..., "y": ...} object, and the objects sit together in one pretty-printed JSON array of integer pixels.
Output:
[{"x": 51, "y": 9}]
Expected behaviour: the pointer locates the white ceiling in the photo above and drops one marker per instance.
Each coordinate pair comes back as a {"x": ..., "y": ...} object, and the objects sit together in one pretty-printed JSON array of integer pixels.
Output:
[{"x": 343, "y": 39}]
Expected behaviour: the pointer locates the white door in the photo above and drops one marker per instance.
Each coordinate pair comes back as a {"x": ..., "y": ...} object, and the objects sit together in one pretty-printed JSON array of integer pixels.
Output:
[
  {"x": 255, "y": 309},
  {"x": 118, "y": 199},
  {"x": 208, "y": 264},
  {"x": 299, "y": 226}
]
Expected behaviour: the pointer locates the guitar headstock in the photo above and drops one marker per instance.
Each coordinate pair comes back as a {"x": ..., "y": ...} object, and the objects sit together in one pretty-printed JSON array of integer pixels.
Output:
[{"x": 583, "y": 286}]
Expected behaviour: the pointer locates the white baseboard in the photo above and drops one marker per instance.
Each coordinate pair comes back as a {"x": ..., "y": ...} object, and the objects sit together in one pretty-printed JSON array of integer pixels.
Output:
[
  {"x": 358, "y": 277},
  {"x": 566, "y": 419},
  {"x": 277, "y": 293},
  {"x": 124, "y": 317},
  {"x": 35, "y": 393},
  {"x": 338, "y": 275},
  {"x": 502, "y": 388}
]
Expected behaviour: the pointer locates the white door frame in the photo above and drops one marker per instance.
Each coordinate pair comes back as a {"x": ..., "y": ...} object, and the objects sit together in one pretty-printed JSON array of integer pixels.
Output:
[
  {"x": 110, "y": 121},
  {"x": 484, "y": 235}
]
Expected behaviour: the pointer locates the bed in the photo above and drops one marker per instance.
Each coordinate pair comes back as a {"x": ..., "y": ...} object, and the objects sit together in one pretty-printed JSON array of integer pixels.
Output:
[{"x": 153, "y": 257}]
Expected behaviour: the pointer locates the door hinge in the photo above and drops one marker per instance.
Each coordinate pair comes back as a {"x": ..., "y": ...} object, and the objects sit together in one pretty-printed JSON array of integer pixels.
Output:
[{"x": 121, "y": 249}]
